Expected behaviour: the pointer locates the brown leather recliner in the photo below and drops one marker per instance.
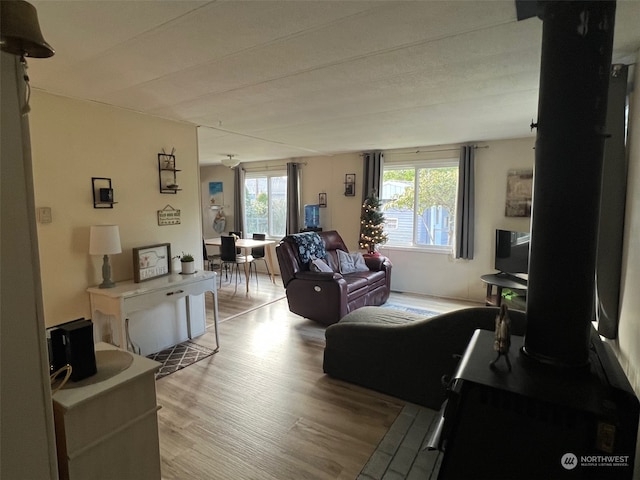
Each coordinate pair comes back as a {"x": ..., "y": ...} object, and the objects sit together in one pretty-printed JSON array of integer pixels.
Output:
[{"x": 326, "y": 297}]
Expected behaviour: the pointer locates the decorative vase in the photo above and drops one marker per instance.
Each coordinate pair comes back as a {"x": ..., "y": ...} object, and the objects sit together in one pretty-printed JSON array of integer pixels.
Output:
[{"x": 188, "y": 268}]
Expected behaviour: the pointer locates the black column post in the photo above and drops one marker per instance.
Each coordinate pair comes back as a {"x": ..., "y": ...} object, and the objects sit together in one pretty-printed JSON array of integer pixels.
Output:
[{"x": 577, "y": 41}]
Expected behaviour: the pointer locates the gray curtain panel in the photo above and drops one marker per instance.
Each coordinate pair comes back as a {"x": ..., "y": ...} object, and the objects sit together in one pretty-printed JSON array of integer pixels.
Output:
[
  {"x": 293, "y": 198},
  {"x": 612, "y": 208},
  {"x": 465, "y": 211},
  {"x": 372, "y": 173},
  {"x": 238, "y": 199}
]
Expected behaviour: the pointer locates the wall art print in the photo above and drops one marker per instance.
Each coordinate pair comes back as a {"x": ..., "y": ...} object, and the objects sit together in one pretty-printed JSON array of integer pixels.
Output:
[
  {"x": 216, "y": 195},
  {"x": 519, "y": 193}
]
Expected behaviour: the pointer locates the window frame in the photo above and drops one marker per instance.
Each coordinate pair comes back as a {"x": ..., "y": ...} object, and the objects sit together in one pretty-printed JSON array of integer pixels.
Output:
[
  {"x": 417, "y": 165},
  {"x": 268, "y": 174}
]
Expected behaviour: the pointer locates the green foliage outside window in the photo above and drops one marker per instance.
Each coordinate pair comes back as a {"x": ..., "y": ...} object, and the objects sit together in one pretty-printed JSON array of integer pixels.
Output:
[
  {"x": 265, "y": 205},
  {"x": 437, "y": 187}
]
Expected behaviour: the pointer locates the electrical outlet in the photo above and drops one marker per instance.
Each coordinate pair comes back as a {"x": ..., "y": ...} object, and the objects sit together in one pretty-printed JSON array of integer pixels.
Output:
[{"x": 44, "y": 215}]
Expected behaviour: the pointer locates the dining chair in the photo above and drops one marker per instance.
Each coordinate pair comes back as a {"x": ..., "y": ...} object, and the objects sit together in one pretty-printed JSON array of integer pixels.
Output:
[
  {"x": 239, "y": 235},
  {"x": 229, "y": 257},
  {"x": 258, "y": 254},
  {"x": 210, "y": 260}
]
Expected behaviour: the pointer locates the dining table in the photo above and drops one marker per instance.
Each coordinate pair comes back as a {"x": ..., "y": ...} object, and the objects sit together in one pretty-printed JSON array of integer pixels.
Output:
[{"x": 246, "y": 244}]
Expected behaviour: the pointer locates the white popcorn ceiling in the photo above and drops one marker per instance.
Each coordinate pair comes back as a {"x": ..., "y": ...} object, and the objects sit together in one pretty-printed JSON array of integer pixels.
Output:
[{"x": 287, "y": 79}]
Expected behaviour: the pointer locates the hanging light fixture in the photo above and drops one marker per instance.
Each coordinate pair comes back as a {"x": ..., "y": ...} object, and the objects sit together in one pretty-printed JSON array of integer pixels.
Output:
[
  {"x": 230, "y": 162},
  {"x": 20, "y": 35},
  {"x": 20, "y": 31}
]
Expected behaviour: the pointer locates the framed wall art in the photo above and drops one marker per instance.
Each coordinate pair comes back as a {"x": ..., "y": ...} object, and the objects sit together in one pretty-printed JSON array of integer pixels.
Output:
[
  {"x": 519, "y": 193},
  {"x": 350, "y": 185},
  {"x": 216, "y": 195},
  {"x": 151, "y": 262}
]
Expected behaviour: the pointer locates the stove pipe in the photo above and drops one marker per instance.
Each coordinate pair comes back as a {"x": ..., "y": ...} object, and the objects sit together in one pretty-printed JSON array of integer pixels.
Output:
[{"x": 577, "y": 41}]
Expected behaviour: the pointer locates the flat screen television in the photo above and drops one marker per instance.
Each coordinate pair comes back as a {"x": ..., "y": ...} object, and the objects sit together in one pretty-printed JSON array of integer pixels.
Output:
[{"x": 512, "y": 251}]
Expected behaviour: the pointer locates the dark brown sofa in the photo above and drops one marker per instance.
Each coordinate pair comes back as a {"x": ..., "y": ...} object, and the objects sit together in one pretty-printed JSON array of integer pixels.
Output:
[{"x": 326, "y": 297}]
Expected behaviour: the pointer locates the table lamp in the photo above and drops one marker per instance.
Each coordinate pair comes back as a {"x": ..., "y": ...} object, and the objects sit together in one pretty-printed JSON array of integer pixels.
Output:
[{"x": 105, "y": 240}]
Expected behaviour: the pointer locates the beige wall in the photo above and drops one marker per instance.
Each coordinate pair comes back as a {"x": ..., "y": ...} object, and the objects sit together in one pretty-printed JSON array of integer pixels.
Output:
[
  {"x": 326, "y": 174},
  {"x": 73, "y": 141},
  {"x": 627, "y": 346}
]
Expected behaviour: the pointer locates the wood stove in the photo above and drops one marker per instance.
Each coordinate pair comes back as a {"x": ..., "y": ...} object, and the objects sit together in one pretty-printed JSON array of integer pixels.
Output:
[
  {"x": 566, "y": 410},
  {"x": 538, "y": 421}
]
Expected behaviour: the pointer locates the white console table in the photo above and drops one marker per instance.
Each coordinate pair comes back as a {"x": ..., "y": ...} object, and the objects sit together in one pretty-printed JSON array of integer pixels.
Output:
[{"x": 128, "y": 297}]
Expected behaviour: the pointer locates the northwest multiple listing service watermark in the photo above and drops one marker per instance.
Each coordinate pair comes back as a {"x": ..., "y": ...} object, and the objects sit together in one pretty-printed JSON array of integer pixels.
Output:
[{"x": 569, "y": 461}]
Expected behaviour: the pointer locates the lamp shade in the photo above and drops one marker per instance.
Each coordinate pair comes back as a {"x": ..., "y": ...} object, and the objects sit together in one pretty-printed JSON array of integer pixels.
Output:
[
  {"x": 104, "y": 240},
  {"x": 230, "y": 161},
  {"x": 20, "y": 31}
]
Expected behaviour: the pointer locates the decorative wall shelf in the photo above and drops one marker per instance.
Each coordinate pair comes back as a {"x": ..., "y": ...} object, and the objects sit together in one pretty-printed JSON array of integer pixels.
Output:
[
  {"x": 167, "y": 173},
  {"x": 102, "y": 192}
]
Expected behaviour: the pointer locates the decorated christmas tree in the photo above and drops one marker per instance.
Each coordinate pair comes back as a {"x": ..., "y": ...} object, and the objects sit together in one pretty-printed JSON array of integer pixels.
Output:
[{"x": 372, "y": 224}]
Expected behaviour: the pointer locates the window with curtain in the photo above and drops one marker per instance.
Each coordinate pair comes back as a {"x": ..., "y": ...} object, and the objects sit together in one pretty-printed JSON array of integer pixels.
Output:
[
  {"x": 419, "y": 204},
  {"x": 265, "y": 205}
]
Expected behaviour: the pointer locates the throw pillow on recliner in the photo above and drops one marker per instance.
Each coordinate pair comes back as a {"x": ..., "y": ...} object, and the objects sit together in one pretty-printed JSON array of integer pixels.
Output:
[
  {"x": 319, "y": 265},
  {"x": 310, "y": 246},
  {"x": 351, "y": 262}
]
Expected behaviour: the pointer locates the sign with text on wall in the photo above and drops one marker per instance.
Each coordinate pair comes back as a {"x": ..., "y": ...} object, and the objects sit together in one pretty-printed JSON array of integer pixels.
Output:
[{"x": 168, "y": 216}]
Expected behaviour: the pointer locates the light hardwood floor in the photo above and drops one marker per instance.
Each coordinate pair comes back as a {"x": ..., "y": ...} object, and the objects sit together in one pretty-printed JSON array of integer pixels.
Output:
[{"x": 261, "y": 408}]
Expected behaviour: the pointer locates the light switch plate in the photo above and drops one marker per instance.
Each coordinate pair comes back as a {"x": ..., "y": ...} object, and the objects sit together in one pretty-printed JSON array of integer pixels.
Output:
[{"x": 44, "y": 215}]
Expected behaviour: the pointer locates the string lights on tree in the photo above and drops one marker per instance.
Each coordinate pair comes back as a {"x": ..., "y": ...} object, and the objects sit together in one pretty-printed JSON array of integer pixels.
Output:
[{"x": 372, "y": 224}]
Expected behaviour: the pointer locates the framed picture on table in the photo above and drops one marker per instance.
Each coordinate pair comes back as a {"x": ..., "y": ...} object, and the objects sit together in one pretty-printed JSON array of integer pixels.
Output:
[{"x": 151, "y": 262}]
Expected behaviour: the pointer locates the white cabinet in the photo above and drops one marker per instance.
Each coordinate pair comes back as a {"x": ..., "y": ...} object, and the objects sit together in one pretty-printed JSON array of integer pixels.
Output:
[
  {"x": 154, "y": 314},
  {"x": 106, "y": 425}
]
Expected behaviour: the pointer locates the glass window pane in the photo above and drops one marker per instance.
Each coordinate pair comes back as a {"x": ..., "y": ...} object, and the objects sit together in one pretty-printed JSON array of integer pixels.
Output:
[
  {"x": 425, "y": 219},
  {"x": 265, "y": 205},
  {"x": 437, "y": 189},
  {"x": 278, "y": 206},
  {"x": 398, "y": 202},
  {"x": 256, "y": 205}
]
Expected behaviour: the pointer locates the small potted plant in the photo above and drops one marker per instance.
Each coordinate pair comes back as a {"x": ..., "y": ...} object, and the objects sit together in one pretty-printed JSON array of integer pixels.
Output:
[{"x": 187, "y": 263}]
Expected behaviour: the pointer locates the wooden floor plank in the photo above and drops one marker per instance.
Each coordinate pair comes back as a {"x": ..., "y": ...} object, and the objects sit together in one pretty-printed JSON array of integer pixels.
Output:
[{"x": 261, "y": 408}]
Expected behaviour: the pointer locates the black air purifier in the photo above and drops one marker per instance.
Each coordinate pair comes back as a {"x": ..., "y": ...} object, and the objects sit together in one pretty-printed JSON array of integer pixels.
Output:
[{"x": 72, "y": 343}]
